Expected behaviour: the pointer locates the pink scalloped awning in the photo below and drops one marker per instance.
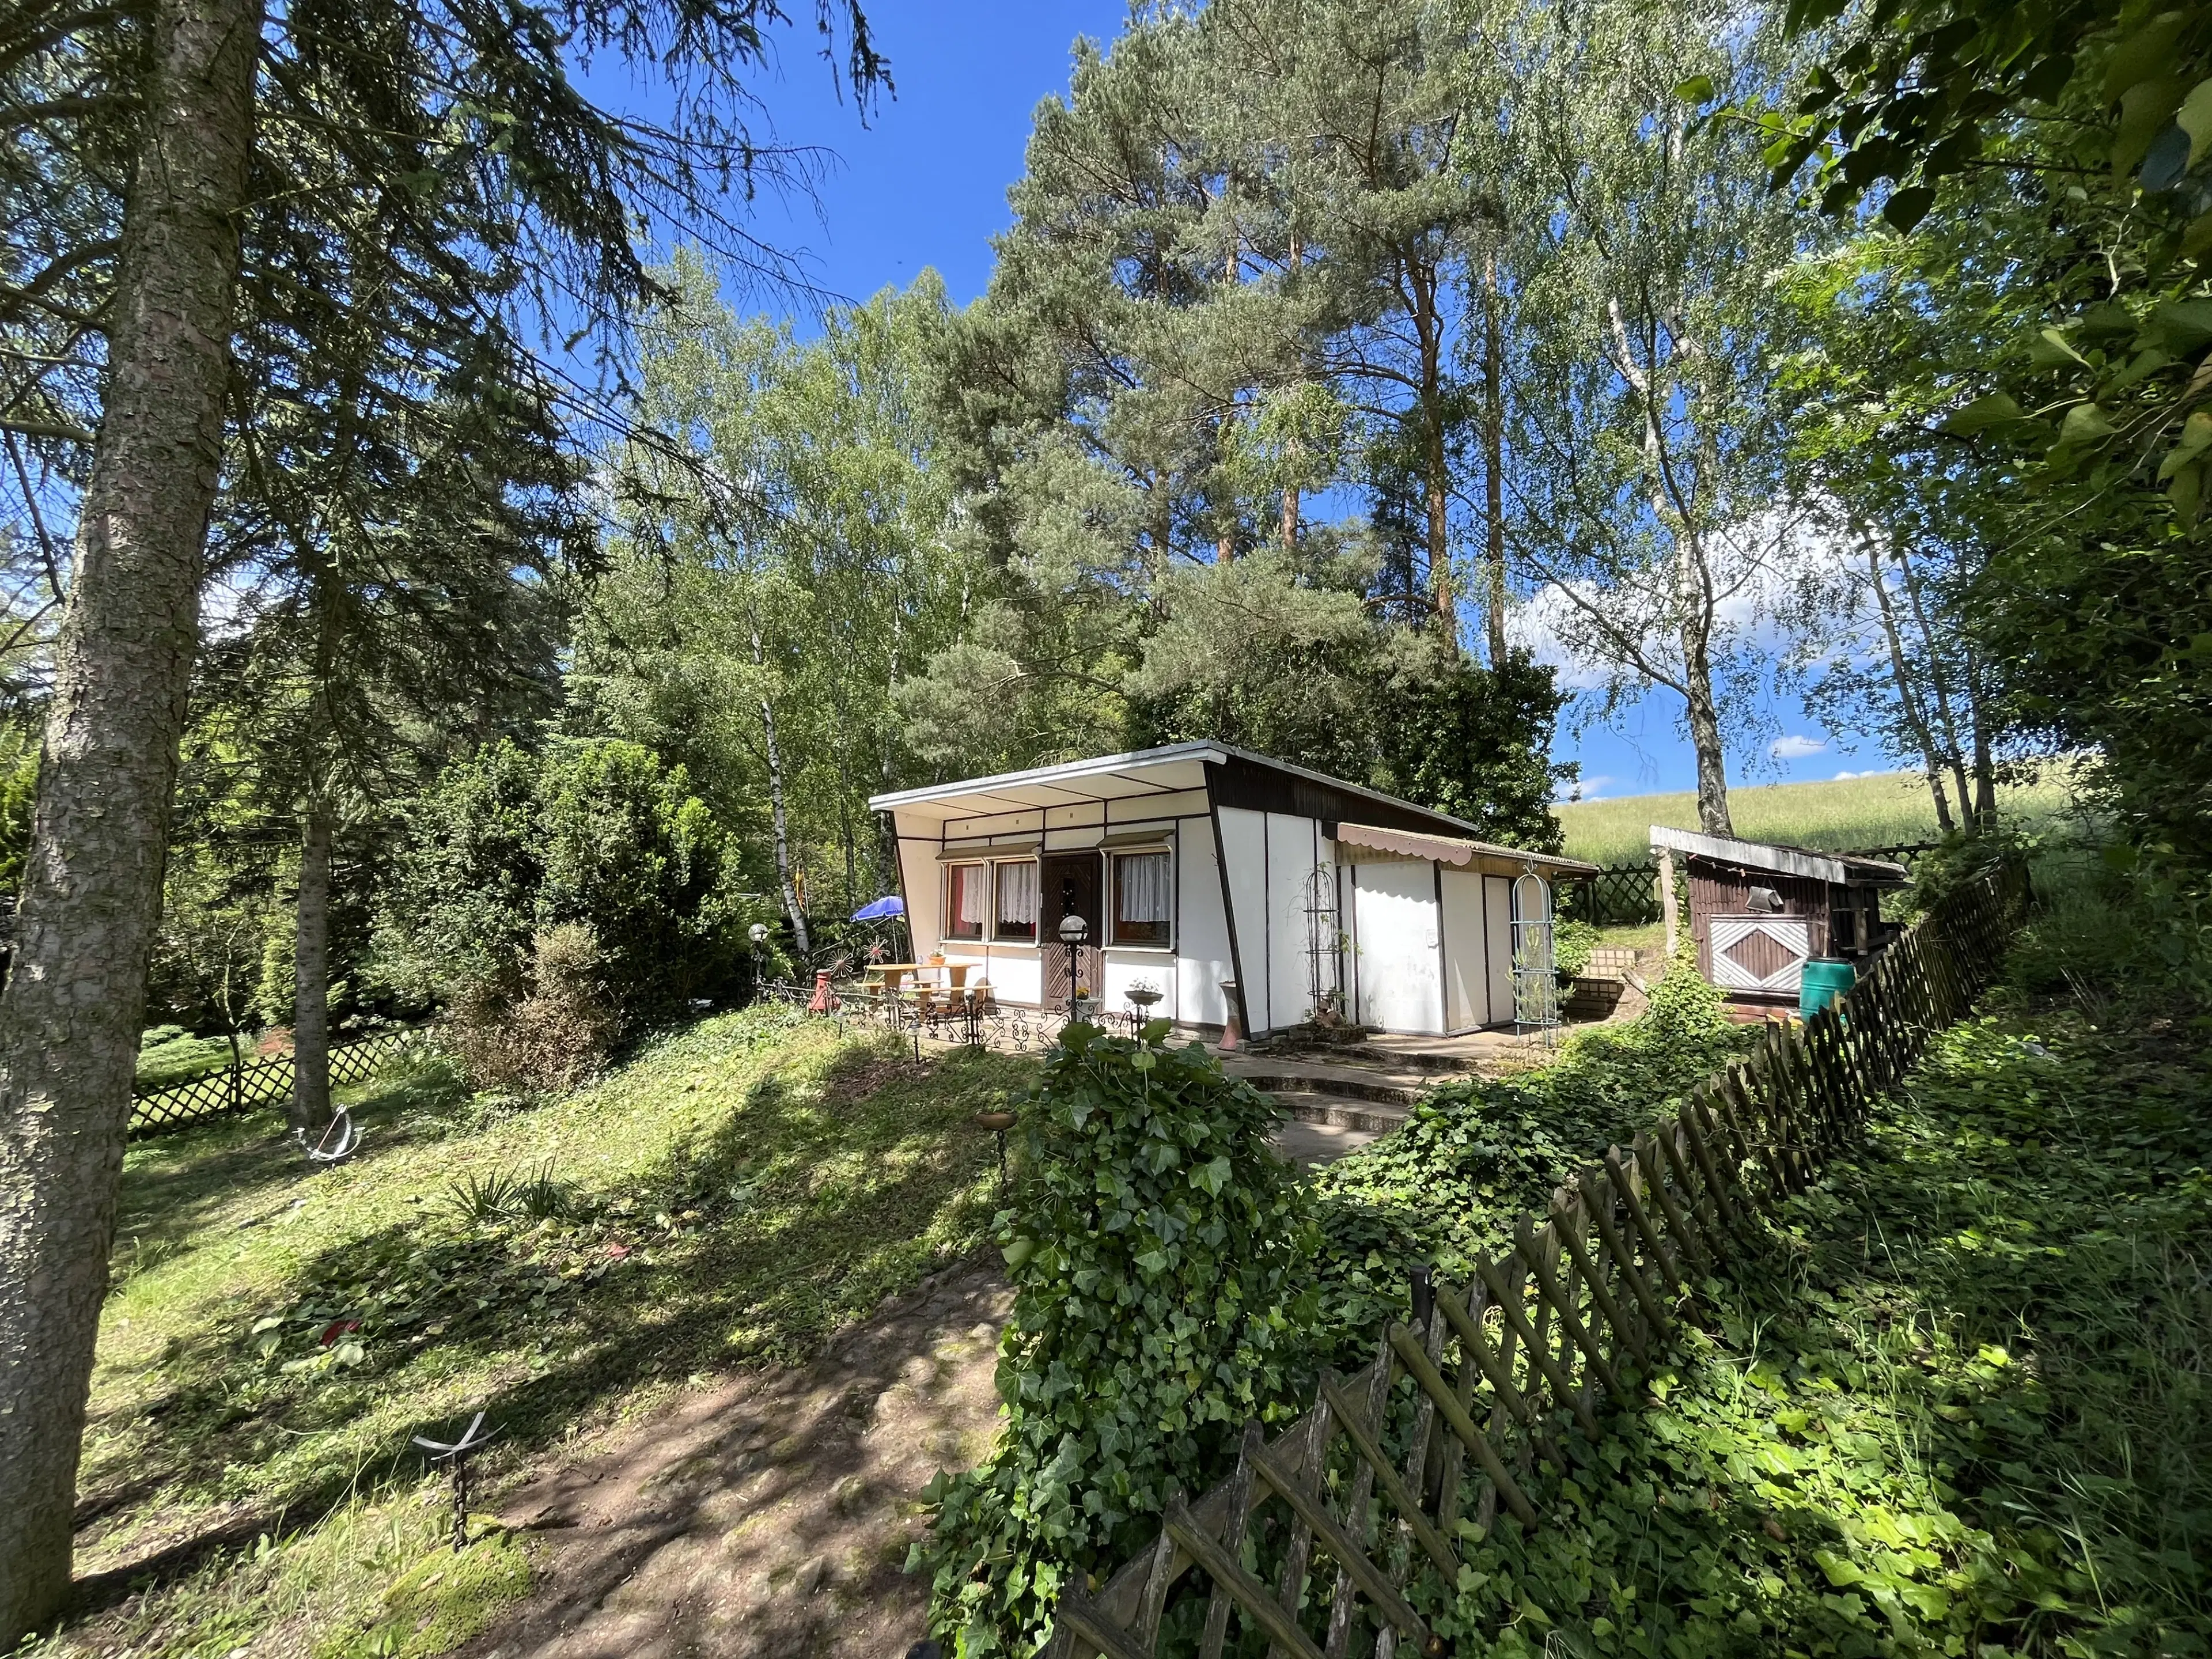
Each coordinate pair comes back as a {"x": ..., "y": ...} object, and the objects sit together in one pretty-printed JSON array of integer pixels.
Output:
[{"x": 1449, "y": 849}]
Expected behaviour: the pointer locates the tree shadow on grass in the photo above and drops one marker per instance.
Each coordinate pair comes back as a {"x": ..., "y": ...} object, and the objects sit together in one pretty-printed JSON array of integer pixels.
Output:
[{"x": 792, "y": 1216}]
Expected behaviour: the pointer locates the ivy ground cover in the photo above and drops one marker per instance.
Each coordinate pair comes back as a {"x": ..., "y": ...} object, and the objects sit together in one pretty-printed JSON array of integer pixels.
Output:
[{"x": 1958, "y": 1409}]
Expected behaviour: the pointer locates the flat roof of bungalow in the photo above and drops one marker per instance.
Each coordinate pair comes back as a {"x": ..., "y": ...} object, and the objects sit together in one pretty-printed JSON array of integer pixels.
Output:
[{"x": 1174, "y": 768}]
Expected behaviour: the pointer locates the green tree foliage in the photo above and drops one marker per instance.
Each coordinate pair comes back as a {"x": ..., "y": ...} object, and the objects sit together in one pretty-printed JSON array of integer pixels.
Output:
[
  {"x": 1160, "y": 1256},
  {"x": 780, "y": 562},
  {"x": 509, "y": 845},
  {"x": 1234, "y": 296},
  {"x": 1651, "y": 434},
  {"x": 2051, "y": 167},
  {"x": 18, "y": 789},
  {"x": 1470, "y": 741}
]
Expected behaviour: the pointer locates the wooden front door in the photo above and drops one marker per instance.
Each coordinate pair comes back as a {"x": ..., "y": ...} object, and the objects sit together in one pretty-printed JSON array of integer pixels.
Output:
[{"x": 1069, "y": 884}]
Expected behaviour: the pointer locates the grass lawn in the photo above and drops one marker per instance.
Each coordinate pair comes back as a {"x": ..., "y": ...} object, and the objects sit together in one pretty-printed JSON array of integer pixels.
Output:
[
  {"x": 1962, "y": 1407},
  {"x": 732, "y": 1195},
  {"x": 1851, "y": 812},
  {"x": 168, "y": 1054}
]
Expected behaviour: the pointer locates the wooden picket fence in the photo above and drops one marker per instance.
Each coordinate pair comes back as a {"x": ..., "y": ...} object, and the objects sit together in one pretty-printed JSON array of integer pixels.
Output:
[
  {"x": 1325, "y": 1536},
  {"x": 256, "y": 1083}
]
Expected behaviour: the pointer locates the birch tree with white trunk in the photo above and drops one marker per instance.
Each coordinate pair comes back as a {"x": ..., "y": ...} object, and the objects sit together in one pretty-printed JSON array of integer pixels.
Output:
[{"x": 1651, "y": 444}]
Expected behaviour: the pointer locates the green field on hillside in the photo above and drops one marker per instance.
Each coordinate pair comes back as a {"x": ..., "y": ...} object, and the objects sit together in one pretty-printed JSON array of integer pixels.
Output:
[{"x": 1845, "y": 813}]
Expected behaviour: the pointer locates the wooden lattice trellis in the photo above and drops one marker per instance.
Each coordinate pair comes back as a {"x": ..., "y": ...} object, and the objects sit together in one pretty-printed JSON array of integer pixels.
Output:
[
  {"x": 256, "y": 1082},
  {"x": 1327, "y": 1539}
]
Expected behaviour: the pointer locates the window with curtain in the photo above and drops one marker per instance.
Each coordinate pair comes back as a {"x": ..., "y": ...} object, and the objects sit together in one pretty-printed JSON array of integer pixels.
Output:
[
  {"x": 1017, "y": 900},
  {"x": 967, "y": 891},
  {"x": 1141, "y": 900}
]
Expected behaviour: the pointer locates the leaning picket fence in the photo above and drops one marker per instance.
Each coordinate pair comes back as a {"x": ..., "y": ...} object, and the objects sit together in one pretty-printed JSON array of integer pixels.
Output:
[
  {"x": 256, "y": 1083},
  {"x": 1324, "y": 1538}
]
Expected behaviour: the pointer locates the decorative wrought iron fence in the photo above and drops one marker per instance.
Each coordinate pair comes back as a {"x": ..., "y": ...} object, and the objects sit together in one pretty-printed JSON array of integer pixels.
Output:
[
  {"x": 989, "y": 1024},
  {"x": 256, "y": 1083},
  {"x": 1329, "y": 1538}
]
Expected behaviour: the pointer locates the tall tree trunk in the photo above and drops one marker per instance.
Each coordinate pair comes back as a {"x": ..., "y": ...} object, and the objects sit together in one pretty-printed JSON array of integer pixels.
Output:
[
  {"x": 1693, "y": 595},
  {"x": 1225, "y": 547},
  {"x": 92, "y": 889},
  {"x": 1706, "y": 735},
  {"x": 785, "y": 886},
  {"x": 1985, "y": 770},
  {"x": 1900, "y": 674},
  {"x": 1291, "y": 500},
  {"x": 1954, "y": 749},
  {"x": 1493, "y": 439},
  {"x": 311, "y": 976},
  {"x": 1428, "y": 327}
]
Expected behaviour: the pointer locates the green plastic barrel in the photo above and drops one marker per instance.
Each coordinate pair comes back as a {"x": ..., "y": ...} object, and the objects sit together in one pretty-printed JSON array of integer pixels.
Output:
[{"x": 1825, "y": 979}]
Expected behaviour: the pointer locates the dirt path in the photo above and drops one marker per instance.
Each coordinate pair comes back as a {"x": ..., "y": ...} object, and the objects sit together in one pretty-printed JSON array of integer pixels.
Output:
[{"x": 771, "y": 1515}]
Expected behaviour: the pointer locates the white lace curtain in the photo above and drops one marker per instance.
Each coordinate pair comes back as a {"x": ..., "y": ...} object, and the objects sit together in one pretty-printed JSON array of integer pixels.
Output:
[
  {"x": 970, "y": 883},
  {"x": 1017, "y": 899},
  {"x": 1140, "y": 883}
]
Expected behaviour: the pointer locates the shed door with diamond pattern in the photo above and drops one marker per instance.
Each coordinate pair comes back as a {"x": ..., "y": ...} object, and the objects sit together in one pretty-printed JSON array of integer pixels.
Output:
[{"x": 1760, "y": 953}]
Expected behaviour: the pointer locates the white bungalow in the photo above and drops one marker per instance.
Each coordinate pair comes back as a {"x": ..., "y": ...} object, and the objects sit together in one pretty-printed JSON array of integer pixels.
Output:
[{"x": 1209, "y": 872}]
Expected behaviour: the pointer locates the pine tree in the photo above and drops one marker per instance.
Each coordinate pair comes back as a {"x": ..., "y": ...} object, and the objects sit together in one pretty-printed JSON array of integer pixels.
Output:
[{"x": 196, "y": 162}]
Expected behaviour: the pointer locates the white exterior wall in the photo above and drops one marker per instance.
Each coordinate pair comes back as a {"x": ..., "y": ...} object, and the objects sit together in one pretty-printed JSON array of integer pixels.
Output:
[
  {"x": 1244, "y": 857},
  {"x": 1498, "y": 926},
  {"x": 923, "y": 880},
  {"x": 1202, "y": 957},
  {"x": 1466, "y": 967},
  {"x": 1294, "y": 847},
  {"x": 1269, "y": 855}
]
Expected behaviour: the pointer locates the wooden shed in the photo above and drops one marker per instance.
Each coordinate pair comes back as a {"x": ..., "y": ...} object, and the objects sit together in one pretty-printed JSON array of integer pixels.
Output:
[{"x": 1759, "y": 912}]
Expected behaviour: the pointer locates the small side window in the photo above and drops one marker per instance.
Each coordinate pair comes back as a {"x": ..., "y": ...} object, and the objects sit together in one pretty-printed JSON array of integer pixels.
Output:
[
  {"x": 967, "y": 892},
  {"x": 1143, "y": 905}
]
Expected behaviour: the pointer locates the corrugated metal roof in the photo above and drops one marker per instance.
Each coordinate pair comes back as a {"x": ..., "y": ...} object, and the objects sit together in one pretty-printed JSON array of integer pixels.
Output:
[{"x": 1838, "y": 867}]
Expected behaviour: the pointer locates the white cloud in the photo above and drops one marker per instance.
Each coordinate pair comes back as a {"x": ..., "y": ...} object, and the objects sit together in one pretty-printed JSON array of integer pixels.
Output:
[
  {"x": 1796, "y": 747},
  {"x": 1879, "y": 772},
  {"x": 1581, "y": 788},
  {"x": 1763, "y": 568}
]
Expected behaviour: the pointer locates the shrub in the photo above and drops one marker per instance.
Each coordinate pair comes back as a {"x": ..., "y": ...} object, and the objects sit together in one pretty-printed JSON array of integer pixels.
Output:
[
  {"x": 509, "y": 847},
  {"x": 1161, "y": 1259},
  {"x": 555, "y": 1037},
  {"x": 1571, "y": 945},
  {"x": 1477, "y": 1154}
]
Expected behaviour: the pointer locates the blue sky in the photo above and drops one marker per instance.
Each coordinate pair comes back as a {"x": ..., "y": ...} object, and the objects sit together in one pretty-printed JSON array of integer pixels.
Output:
[{"x": 924, "y": 183}]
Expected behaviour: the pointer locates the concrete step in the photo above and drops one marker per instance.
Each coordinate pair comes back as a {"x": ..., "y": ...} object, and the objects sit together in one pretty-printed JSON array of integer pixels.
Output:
[
  {"x": 1354, "y": 1082},
  {"x": 1315, "y": 1143},
  {"x": 1323, "y": 1127},
  {"x": 1412, "y": 1059},
  {"x": 1310, "y": 1106}
]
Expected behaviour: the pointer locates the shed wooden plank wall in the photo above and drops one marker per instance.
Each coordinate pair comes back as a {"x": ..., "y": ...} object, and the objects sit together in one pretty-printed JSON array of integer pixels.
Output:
[{"x": 1719, "y": 891}]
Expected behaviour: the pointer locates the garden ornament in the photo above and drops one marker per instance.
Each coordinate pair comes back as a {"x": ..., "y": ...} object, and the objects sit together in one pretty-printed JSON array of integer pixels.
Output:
[
  {"x": 340, "y": 1138},
  {"x": 455, "y": 1456}
]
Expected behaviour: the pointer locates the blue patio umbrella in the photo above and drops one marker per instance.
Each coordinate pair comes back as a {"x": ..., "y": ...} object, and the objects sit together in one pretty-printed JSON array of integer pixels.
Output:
[{"x": 890, "y": 905}]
